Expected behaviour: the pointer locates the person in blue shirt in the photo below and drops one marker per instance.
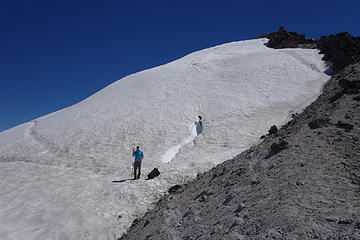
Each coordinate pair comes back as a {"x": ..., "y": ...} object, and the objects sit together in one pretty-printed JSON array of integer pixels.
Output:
[{"x": 138, "y": 157}]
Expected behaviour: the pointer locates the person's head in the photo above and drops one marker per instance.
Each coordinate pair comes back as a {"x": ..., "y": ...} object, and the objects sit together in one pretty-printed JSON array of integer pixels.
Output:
[
  {"x": 137, "y": 147},
  {"x": 200, "y": 117}
]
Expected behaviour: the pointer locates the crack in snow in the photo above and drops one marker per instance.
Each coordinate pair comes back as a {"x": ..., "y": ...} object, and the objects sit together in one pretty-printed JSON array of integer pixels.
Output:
[{"x": 170, "y": 154}]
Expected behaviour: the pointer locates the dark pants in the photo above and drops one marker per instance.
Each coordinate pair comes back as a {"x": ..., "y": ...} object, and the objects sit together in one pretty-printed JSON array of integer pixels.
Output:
[{"x": 137, "y": 166}]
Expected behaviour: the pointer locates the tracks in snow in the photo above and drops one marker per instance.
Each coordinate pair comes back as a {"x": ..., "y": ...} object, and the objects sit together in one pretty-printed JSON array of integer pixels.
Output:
[
  {"x": 31, "y": 134},
  {"x": 45, "y": 147}
]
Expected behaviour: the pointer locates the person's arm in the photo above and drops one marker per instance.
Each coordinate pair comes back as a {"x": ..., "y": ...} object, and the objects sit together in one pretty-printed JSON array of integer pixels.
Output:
[
  {"x": 142, "y": 156},
  {"x": 133, "y": 153}
]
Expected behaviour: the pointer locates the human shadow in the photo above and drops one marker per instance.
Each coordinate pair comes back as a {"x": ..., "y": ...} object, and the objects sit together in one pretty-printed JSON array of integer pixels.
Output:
[{"x": 121, "y": 181}]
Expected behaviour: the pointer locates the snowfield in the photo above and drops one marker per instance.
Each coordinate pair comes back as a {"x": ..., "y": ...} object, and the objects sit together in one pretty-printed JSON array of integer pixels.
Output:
[{"x": 57, "y": 171}]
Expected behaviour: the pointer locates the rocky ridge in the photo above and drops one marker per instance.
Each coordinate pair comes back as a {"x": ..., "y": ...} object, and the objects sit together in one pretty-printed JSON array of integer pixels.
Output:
[
  {"x": 301, "y": 182},
  {"x": 341, "y": 49}
]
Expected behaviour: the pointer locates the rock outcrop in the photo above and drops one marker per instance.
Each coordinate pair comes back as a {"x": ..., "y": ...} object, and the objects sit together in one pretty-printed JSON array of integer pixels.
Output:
[
  {"x": 341, "y": 49},
  {"x": 285, "y": 39}
]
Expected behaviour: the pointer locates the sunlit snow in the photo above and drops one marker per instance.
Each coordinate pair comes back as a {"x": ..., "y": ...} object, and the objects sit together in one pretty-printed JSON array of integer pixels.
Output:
[{"x": 57, "y": 171}]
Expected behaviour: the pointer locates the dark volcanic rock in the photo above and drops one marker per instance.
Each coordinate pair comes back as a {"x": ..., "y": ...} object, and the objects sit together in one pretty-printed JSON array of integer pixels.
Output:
[
  {"x": 336, "y": 96},
  {"x": 318, "y": 123},
  {"x": 347, "y": 84},
  {"x": 341, "y": 49},
  {"x": 357, "y": 98},
  {"x": 273, "y": 130},
  {"x": 350, "y": 87},
  {"x": 228, "y": 199},
  {"x": 275, "y": 148},
  {"x": 346, "y": 126},
  {"x": 278, "y": 147},
  {"x": 174, "y": 189},
  {"x": 285, "y": 39}
]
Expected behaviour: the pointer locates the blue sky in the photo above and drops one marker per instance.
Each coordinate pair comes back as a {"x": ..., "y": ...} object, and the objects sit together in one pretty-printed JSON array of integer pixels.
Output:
[{"x": 56, "y": 53}]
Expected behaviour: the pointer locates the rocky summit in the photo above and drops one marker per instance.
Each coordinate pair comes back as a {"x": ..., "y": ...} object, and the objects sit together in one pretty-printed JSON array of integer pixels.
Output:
[{"x": 301, "y": 182}]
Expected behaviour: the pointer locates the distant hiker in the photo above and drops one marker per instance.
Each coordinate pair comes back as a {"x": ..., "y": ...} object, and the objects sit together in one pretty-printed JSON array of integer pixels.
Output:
[
  {"x": 199, "y": 126},
  {"x": 200, "y": 120},
  {"x": 138, "y": 157}
]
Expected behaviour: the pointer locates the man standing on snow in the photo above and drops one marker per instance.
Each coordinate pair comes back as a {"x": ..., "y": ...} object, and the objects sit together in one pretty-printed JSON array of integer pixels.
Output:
[{"x": 138, "y": 157}]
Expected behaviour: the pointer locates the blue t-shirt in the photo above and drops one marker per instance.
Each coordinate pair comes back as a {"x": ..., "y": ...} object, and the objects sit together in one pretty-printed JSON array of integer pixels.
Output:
[{"x": 138, "y": 155}]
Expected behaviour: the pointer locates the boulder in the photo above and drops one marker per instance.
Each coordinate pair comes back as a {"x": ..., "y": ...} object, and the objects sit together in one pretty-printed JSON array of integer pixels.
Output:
[
  {"x": 318, "y": 123},
  {"x": 273, "y": 130},
  {"x": 275, "y": 148},
  {"x": 174, "y": 189},
  {"x": 349, "y": 87},
  {"x": 278, "y": 147}
]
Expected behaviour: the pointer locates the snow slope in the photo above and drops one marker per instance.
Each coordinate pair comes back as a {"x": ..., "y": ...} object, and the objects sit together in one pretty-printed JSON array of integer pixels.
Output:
[{"x": 57, "y": 171}]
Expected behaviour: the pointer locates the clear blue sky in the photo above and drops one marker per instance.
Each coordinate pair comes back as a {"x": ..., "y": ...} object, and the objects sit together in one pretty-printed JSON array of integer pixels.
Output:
[{"x": 56, "y": 53}]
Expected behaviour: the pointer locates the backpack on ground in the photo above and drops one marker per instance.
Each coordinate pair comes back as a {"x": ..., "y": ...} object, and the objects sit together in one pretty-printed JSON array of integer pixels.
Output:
[{"x": 154, "y": 173}]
